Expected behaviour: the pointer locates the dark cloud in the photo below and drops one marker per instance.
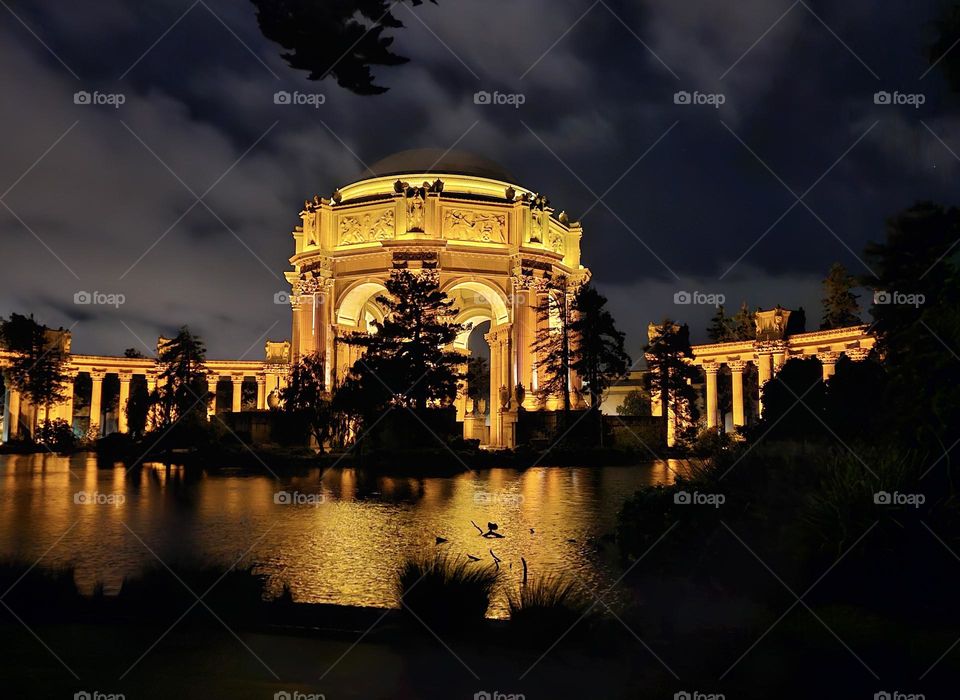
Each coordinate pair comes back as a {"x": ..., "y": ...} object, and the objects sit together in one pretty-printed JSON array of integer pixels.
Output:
[{"x": 112, "y": 207}]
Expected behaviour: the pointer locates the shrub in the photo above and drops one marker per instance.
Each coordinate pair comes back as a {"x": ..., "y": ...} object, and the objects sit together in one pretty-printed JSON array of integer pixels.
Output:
[
  {"x": 56, "y": 435},
  {"x": 546, "y": 607},
  {"x": 443, "y": 592}
]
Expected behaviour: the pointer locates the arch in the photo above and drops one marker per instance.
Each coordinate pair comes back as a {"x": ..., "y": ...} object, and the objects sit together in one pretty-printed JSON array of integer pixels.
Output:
[
  {"x": 350, "y": 310},
  {"x": 490, "y": 294},
  {"x": 472, "y": 317}
]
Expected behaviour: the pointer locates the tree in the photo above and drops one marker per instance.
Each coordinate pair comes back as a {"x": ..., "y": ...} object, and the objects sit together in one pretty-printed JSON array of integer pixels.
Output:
[
  {"x": 307, "y": 395},
  {"x": 668, "y": 353},
  {"x": 799, "y": 380},
  {"x": 635, "y": 403},
  {"x": 840, "y": 307},
  {"x": 38, "y": 366},
  {"x": 343, "y": 39},
  {"x": 940, "y": 52},
  {"x": 743, "y": 324},
  {"x": 137, "y": 408},
  {"x": 407, "y": 362},
  {"x": 917, "y": 319},
  {"x": 134, "y": 354},
  {"x": 598, "y": 354},
  {"x": 478, "y": 378},
  {"x": 182, "y": 384},
  {"x": 721, "y": 327},
  {"x": 551, "y": 344}
]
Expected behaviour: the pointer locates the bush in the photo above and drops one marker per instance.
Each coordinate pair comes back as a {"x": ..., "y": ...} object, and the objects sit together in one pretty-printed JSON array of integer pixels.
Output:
[
  {"x": 546, "y": 607},
  {"x": 445, "y": 593},
  {"x": 56, "y": 435}
]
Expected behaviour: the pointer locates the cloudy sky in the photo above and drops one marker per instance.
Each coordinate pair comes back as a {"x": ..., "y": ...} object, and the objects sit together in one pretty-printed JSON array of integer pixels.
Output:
[{"x": 182, "y": 198}]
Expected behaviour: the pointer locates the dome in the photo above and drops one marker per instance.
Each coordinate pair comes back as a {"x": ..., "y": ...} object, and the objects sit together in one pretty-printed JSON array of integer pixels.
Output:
[{"x": 436, "y": 160}]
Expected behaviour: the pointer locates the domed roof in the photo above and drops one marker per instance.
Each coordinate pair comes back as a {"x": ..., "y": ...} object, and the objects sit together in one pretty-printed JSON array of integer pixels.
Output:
[{"x": 437, "y": 160}]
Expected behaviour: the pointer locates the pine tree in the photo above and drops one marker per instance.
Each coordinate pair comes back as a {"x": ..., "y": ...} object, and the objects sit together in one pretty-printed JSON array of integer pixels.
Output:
[
  {"x": 668, "y": 354},
  {"x": 182, "y": 387},
  {"x": 38, "y": 367},
  {"x": 406, "y": 362},
  {"x": 721, "y": 327},
  {"x": 307, "y": 395},
  {"x": 598, "y": 354},
  {"x": 743, "y": 324},
  {"x": 840, "y": 307},
  {"x": 551, "y": 345}
]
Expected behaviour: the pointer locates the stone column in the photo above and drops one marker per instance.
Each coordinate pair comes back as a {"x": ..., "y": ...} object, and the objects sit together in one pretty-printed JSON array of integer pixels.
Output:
[
  {"x": 237, "y": 395},
  {"x": 736, "y": 379},
  {"x": 829, "y": 363},
  {"x": 66, "y": 407},
  {"x": 524, "y": 335},
  {"x": 12, "y": 423},
  {"x": 295, "y": 334},
  {"x": 711, "y": 370},
  {"x": 151, "y": 378},
  {"x": 261, "y": 392},
  {"x": 764, "y": 372},
  {"x": 125, "y": 378},
  {"x": 212, "y": 380},
  {"x": 96, "y": 394},
  {"x": 496, "y": 377}
]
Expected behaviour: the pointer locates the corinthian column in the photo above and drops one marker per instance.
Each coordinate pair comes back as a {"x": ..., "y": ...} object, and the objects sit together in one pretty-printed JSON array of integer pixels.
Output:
[
  {"x": 125, "y": 378},
  {"x": 764, "y": 372},
  {"x": 828, "y": 360},
  {"x": 736, "y": 380},
  {"x": 711, "y": 371},
  {"x": 96, "y": 395}
]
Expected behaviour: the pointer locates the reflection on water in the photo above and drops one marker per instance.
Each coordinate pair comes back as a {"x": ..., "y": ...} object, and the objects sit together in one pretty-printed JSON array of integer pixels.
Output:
[{"x": 333, "y": 537}]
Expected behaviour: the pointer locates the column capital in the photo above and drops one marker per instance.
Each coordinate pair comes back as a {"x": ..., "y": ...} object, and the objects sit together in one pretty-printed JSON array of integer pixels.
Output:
[
  {"x": 236, "y": 379},
  {"x": 261, "y": 378},
  {"x": 125, "y": 376},
  {"x": 97, "y": 375},
  {"x": 857, "y": 354},
  {"x": 737, "y": 365},
  {"x": 213, "y": 378},
  {"x": 711, "y": 367},
  {"x": 828, "y": 357}
]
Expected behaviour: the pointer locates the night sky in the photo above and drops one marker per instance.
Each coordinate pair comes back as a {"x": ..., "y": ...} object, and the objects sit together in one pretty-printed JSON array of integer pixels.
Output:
[{"x": 692, "y": 196}]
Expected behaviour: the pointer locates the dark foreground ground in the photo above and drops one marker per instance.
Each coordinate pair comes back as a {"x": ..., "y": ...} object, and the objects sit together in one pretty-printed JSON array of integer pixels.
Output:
[{"x": 799, "y": 658}]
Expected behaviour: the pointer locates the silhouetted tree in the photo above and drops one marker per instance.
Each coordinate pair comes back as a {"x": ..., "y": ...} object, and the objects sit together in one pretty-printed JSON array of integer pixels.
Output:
[
  {"x": 182, "y": 383},
  {"x": 407, "y": 362},
  {"x": 635, "y": 403},
  {"x": 133, "y": 353},
  {"x": 551, "y": 345},
  {"x": 342, "y": 38},
  {"x": 306, "y": 395},
  {"x": 798, "y": 390},
  {"x": 598, "y": 354},
  {"x": 941, "y": 52},
  {"x": 668, "y": 354},
  {"x": 721, "y": 327},
  {"x": 478, "y": 378},
  {"x": 38, "y": 368},
  {"x": 137, "y": 408},
  {"x": 840, "y": 307},
  {"x": 917, "y": 313},
  {"x": 743, "y": 325}
]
